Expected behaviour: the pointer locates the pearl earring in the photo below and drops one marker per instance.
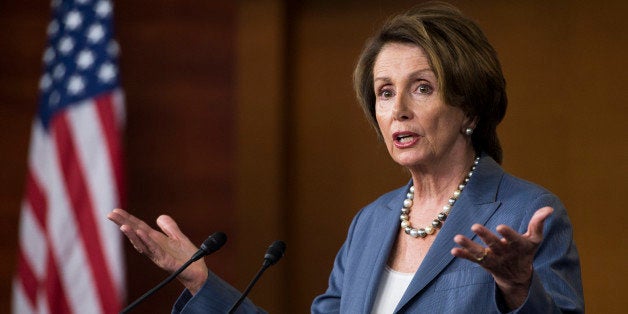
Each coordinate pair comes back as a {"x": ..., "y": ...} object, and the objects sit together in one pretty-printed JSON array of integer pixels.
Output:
[{"x": 468, "y": 131}]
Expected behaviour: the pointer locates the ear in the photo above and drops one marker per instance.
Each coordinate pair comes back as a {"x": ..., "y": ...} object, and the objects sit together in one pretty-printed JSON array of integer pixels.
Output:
[{"x": 469, "y": 122}]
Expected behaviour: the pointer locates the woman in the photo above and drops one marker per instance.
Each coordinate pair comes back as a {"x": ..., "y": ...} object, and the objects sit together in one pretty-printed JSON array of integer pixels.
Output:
[{"x": 462, "y": 235}]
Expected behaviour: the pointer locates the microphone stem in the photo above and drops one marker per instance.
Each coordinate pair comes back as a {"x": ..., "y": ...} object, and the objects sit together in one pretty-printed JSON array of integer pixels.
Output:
[
  {"x": 248, "y": 289},
  {"x": 157, "y": 287}
]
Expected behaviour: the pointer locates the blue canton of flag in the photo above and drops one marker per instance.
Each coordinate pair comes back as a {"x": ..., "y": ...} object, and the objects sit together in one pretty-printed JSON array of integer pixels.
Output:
[{"x": 81, "y": 57}]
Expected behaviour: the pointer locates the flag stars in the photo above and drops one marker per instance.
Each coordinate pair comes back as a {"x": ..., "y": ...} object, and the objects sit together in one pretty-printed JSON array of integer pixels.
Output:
[
  {"x": 58, "y": 72},
  {"x": 76, "y": 85},
  {"x": 73, "y": 20},
  {"x": 113, "y": 48},
  {"x": 79, "y": 60},
  {"x": 54, "y": 98},
  {"x": 103, "y": 8},
  {"x": 85, "y": 59},
  {"x": 49, "y": 55},
  {"x": 45, "y": 82},
  {"x": 53, "y": 28},
  {"x": 66, "y": 44},
  {"x": 95, "y": 33},
  {"x": 107, "y": 72}
]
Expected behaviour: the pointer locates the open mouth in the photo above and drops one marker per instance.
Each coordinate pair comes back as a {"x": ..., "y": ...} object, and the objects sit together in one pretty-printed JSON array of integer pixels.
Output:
[{"x": 406, "y": 138}]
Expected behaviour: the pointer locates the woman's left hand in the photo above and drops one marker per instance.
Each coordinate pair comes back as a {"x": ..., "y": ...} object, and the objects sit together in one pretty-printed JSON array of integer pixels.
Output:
[{"x": 509, "y": 259}]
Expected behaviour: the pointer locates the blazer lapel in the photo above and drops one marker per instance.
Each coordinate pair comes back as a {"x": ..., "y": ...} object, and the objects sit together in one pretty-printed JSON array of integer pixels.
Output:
[
  {"x": 476, "y": 205},
  {"x": 388, "y": 220}
]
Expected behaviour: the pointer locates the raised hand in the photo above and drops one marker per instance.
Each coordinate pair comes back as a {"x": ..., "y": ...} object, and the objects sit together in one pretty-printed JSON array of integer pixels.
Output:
[
  {"x": 509, "y": 258},
  {"x": 168, "y": 249}
]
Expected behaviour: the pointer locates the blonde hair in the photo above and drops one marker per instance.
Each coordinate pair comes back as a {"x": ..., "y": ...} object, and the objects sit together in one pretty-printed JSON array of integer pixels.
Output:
[{"x": 464, "y": 62}]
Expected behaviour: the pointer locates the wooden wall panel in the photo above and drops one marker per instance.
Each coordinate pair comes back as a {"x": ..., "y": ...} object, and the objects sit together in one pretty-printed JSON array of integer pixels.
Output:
[
  {"x": 177, "y": 67},
  {"x": 22, "y": 40},
  {"x": 261, "y": 213},
  {"x": 563, "y": 130}
]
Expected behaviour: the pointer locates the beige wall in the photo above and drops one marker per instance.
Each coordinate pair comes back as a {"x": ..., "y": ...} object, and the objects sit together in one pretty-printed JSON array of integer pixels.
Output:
[{"x": 565, "y": 64}]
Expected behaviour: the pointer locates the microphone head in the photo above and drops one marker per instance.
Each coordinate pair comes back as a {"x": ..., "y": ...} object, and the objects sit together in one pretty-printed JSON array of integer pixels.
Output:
[
  {"x": 214, "y": 242},
  {"x": 274, "y": 253}
]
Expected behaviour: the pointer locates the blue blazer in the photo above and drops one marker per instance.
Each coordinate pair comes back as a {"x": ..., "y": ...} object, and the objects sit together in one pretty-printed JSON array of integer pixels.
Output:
[{"x": 443, "y": 283}]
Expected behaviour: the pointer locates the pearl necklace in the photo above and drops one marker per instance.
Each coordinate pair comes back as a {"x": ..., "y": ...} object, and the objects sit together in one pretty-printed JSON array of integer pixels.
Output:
[{"x": 440, "y": 218}]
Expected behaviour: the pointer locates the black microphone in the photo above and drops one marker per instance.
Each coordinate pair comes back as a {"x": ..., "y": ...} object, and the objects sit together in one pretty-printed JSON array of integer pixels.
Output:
[
  {"x": 211, "y": 245},
  {"x": 273, "y": 254}
]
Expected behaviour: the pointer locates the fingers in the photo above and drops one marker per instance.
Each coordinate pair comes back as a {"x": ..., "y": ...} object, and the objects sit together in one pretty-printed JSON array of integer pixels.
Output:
[
  {"x": 509, "y": 235},
  {"x": 131, "y": 234},
  {"x": 511, "y": 241},
  {"x": 490, "y": 239},
  {"x": 150, "y": 241},
  {"x": 122, "y": 217},
  {"x": 169, "y": 227},
  {"x": 535, "y": 227},
  {"x": 117, "y": 216},
  {"x": 128, "y": 227},
  {"x": 141, "y": 235},
  {"x": 468, "y": 249}
]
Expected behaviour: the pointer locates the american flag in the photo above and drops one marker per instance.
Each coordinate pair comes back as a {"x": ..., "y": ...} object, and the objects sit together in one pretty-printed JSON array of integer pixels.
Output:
[{"x": 70, "y": 257}]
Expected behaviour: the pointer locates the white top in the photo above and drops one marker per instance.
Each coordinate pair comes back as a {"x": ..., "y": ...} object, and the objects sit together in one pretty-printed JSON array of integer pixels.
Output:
[{"x": 391, "y": 288}]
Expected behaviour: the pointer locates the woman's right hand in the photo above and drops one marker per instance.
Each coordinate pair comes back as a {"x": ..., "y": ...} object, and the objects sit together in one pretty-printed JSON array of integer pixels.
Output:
[{"x": 169, "y": 249}]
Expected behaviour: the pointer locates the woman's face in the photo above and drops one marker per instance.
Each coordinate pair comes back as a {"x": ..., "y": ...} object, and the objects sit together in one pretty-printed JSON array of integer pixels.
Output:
[{"x": 417, "y": 126}]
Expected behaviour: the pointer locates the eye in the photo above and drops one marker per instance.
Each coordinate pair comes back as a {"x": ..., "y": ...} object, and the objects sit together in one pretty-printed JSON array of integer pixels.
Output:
[
  {"x": 386, "y": 94},
  {"x": 425, "y": 89}
]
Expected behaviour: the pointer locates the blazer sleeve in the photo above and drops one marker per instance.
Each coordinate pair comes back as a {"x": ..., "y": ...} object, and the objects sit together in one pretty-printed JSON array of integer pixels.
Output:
[
  {"x": 216, "y": 296},
  {"x": 329, "y": 302},
  {"x": 556, "y": 285}
]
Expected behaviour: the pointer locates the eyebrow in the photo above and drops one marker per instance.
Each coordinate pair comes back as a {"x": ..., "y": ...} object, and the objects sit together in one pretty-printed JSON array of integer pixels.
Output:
[{"x": 413, "y": 74}]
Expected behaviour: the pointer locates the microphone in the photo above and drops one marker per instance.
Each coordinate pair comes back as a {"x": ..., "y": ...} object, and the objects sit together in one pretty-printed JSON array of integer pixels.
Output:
[
  {"x": 211, "y": 245},
  {"x": 273, "y": 254}
]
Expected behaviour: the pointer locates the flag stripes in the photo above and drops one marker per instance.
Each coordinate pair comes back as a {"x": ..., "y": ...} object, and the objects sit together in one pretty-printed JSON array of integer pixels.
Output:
[
  {"x": 70, "y": 255},
  {"x": 81, "y": 187}
]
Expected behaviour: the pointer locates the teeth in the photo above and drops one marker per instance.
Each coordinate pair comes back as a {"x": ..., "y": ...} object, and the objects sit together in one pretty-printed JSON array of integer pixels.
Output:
[{"x": 405, "y": 138}]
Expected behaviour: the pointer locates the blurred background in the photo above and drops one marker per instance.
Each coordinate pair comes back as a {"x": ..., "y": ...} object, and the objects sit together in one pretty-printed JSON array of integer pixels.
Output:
[{"x": 241, "y": 118}]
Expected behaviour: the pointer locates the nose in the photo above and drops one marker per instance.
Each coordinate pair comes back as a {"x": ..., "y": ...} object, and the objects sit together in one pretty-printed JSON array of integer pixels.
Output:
[{"x": 401, "y": 109}]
